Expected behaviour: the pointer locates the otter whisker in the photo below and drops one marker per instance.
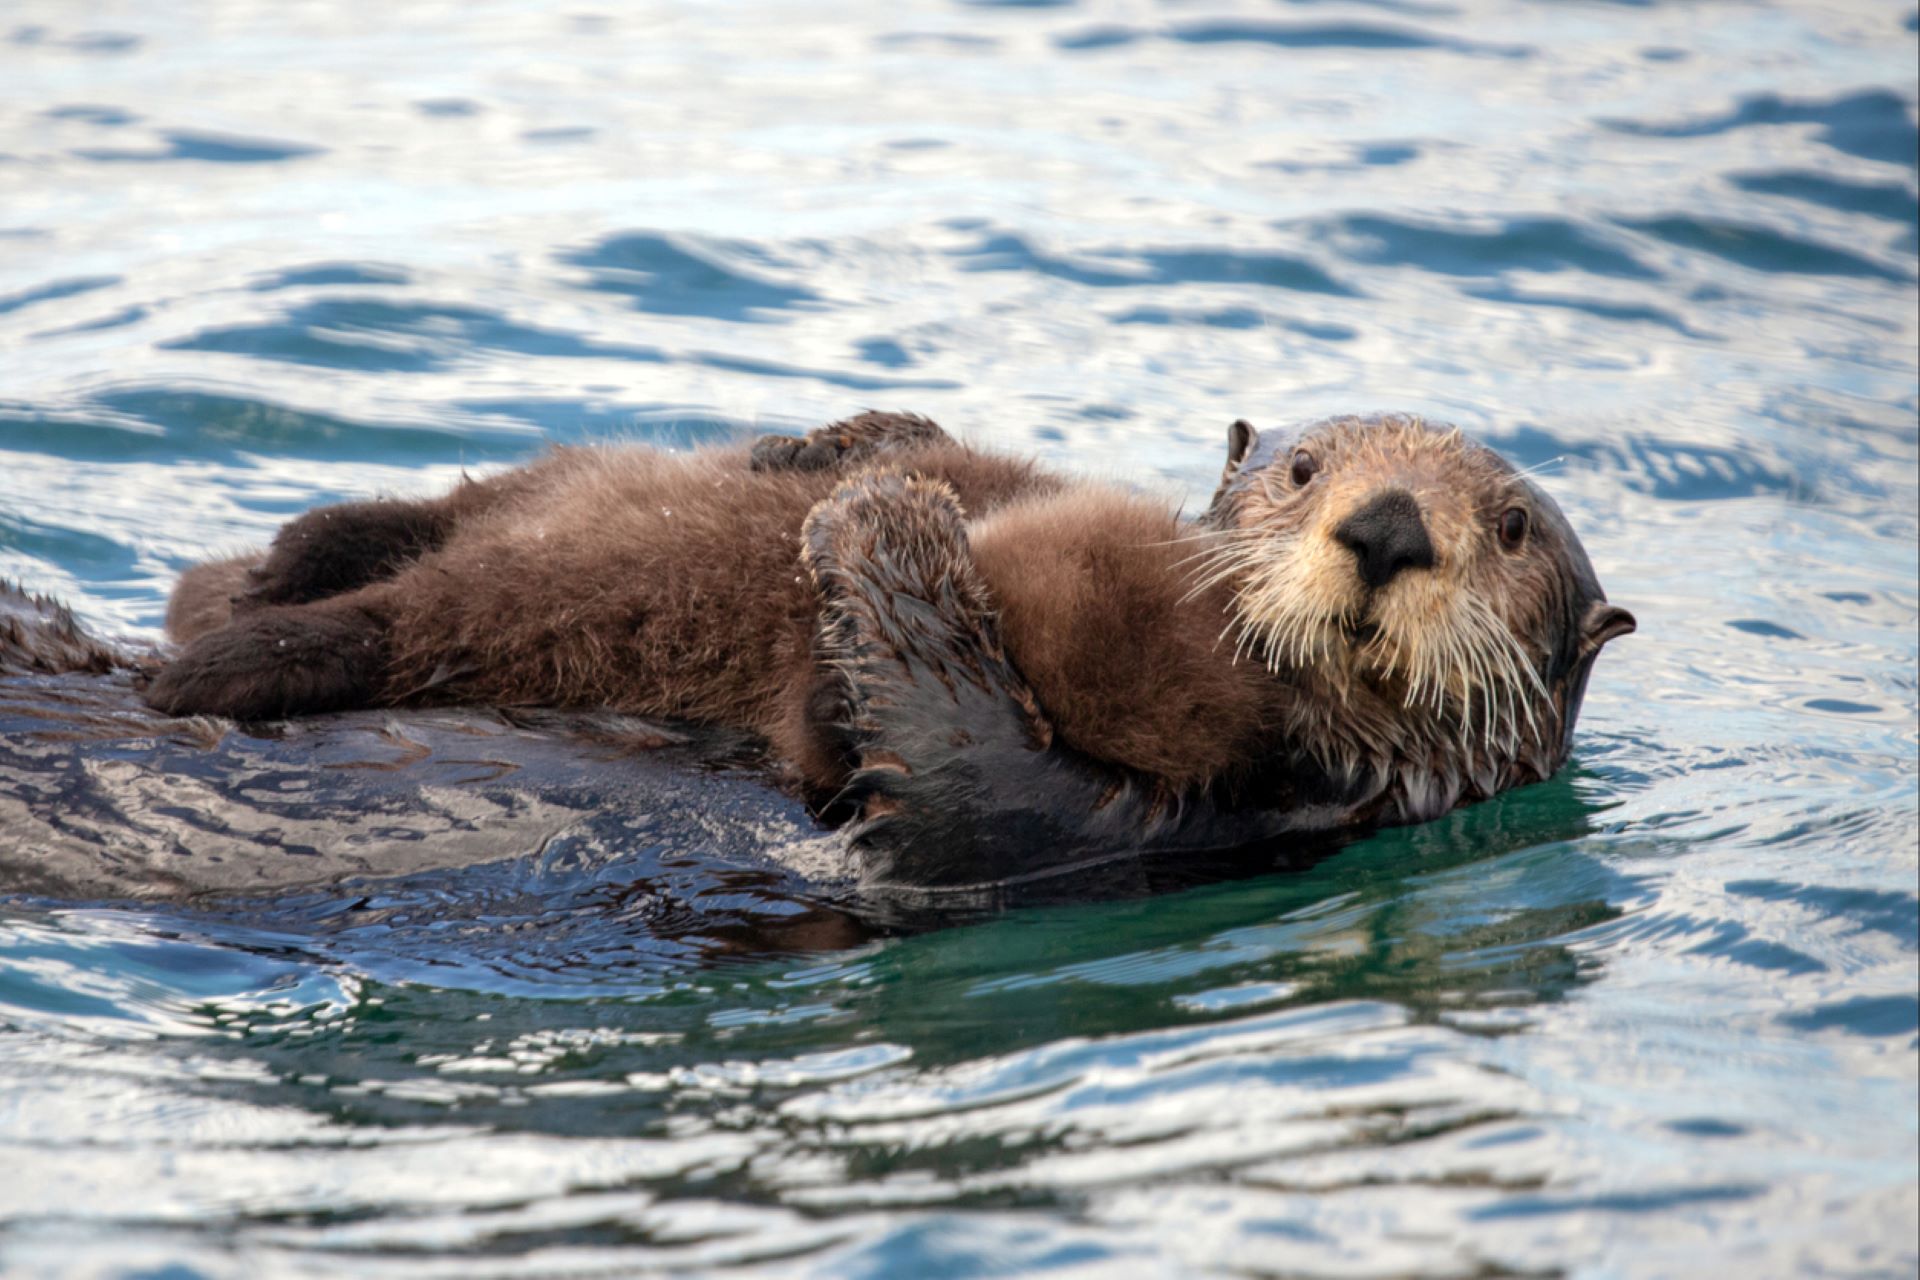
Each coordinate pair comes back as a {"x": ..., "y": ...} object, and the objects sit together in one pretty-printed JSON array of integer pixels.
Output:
[
  {"x": 1199, "y": 535},
  {"x": 1244, "y": 647},
  {"x": 1224, "y": 547},
  {"x": 1488, "y": 687},
  {"x": 1231, "y": 624},
  {"x": 1218, "y": 563},
  {"x": 1227, "y": 567},
  {"x": 1472, "y": 650},
  {"x": 1495, "y": 687},
  {"x": 1518, "y": 665},
  {"x": 1473, "y": 676},
  {"x": 1538, "y": 468}
]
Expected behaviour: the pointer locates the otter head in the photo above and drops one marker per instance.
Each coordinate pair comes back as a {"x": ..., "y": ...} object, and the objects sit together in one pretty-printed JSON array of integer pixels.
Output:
[{"x": 1429, "y": 609}]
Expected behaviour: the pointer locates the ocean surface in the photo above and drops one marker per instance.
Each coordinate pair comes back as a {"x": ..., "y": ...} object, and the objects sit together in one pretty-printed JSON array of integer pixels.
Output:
[{"x": 1656, "y": 1017}]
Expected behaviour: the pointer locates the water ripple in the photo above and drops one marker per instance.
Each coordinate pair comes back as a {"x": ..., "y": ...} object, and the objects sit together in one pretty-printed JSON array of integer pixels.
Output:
[
  {"x": 320, "y": 273},
  {"x": 54, "y": 291},
  {"x": 380, "y": 335},
  {"x": 1365, "y": 36},
  {"x": 677, "y": 276},
  {"x": 1873, "y": 124},
  {"x": 1516, "y": 244},
  {"x": 1112, "y": 269},
  {"x": 1653, "y": 1014},
  {"x": 1762, "y": 248},
  {"x": 1889, "y": 201},
  {"x": 214, "y": 148}
]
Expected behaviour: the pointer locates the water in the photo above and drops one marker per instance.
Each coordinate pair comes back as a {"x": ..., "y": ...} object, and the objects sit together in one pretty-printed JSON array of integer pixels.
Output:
[{"x": 1653, "y": 1017}]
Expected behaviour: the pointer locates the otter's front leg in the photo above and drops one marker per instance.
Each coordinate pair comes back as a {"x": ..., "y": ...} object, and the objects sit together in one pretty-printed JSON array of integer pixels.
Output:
[
  {"x": 851, "y": 440},
  {"x": 281, "y": 660}
]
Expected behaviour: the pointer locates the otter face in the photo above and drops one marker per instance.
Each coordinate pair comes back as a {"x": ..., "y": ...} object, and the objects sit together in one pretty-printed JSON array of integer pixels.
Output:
[{"x": 1388, "y": 561}]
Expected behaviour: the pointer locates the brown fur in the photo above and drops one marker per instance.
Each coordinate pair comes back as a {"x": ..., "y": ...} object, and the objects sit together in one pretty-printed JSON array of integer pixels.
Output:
[
  {"x": 1100, "y": 614},
  {"x": 202, "y": 600},
  {"x": 661, "y": 584},
  {"x": 40, "y": 635},
  {"x": 656, "y": 583},
  {"x": 673, "y": 585}
]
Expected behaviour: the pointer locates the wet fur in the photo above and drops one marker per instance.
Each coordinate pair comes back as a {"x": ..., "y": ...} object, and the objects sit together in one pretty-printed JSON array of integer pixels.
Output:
[
  {"x": 1099, "y": 610},
  {"x": 994, "y": 656},
  {"x": 1473, "y": 679},
  {"x": 670, "y": 585},
  {"x": 202, "y": 600},
  {"x": 41, "y": 636}
]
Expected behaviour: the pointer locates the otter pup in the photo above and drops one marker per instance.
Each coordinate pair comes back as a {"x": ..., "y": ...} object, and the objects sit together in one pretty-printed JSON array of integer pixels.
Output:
[{"x": 992, "y": 670}]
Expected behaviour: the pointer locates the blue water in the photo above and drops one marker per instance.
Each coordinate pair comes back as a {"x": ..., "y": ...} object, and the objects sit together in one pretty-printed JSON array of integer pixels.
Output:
[{"x": 1657, "y": 1017}]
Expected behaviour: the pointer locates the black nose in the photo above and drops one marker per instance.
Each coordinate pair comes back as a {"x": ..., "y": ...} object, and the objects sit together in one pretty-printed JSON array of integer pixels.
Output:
[{"x": 1386, "y": 536}]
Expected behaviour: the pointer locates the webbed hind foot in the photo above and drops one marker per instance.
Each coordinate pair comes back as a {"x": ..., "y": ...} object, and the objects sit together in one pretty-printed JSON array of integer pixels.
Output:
[
  {"x": 277, "y": 661},
  {"x": 948, "y": 740}
]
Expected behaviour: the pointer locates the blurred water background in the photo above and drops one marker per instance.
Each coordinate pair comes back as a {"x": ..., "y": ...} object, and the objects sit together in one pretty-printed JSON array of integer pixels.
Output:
[{"x": 1655, "y": 1017}]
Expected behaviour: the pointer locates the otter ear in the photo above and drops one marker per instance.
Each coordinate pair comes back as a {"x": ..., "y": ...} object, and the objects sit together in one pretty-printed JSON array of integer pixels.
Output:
[
  {"x": 1602, "y": 623},
  {"x": 1240, "y": 439}
]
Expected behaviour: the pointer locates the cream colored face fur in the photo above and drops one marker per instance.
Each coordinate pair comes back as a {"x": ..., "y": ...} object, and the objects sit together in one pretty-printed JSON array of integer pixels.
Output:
[{"x": 1448, "y": 643}]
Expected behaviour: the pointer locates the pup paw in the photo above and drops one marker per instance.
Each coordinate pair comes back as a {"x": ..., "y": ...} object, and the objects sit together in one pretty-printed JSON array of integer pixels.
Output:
[
  {"x": 847, "y": 441},
  {"x": 335, "y": 549}
]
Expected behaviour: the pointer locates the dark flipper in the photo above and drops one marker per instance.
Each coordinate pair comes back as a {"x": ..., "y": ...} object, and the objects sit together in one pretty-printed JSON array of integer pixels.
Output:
[
  {"x": 851, "y": 440},
  {"x": 278, "y": 661},
  {"x": 335, "y": 549},
  {"x": 959, "y": 782}
]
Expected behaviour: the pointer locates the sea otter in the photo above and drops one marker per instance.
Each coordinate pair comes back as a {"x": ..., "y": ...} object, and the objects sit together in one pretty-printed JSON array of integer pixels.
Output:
[{"x": 990, "y": 670}]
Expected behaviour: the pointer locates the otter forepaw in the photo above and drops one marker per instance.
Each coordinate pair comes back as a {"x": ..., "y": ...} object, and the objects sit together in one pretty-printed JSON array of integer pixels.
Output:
[
  {"x": 335, "y": 549},
  {"x": 275, "y": 662},
  {"x": 851, "y": 440}
]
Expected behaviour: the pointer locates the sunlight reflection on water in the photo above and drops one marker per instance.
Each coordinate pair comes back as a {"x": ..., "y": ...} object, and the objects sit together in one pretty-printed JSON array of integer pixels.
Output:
[{"x": 1653, "y": 1016}]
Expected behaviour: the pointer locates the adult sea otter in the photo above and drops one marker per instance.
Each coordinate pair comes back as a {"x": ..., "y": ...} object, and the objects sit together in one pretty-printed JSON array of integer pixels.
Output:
[{"x": 986, "y": 670}]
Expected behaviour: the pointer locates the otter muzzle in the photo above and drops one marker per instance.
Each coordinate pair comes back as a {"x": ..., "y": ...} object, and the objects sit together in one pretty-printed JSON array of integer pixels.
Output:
[{"x": 1386, "y": 536}]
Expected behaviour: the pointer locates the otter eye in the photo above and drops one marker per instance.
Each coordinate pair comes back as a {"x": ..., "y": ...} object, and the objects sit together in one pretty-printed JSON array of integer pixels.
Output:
[
  {"x": 1513, "y": 527},
  {"x": 1303, "y": 466}
]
